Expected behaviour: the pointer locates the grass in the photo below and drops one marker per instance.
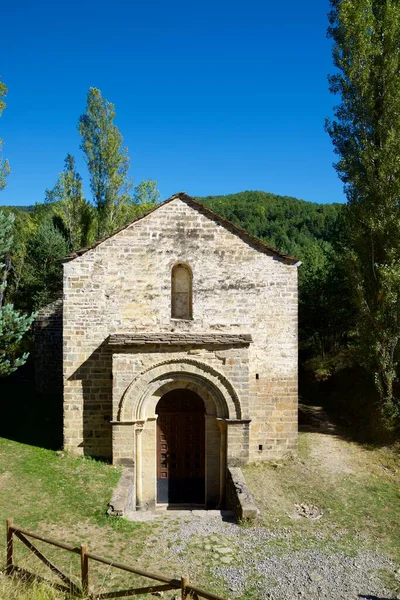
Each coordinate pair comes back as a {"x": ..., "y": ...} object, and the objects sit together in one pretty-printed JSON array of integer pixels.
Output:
[
  {"x": 12, "y": 589},
  {"x": 64, "y": 498},
  {"x": 357, "y": 489}
]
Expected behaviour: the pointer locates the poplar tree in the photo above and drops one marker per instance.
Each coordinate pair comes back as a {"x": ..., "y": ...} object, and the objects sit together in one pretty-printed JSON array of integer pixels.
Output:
[
  {"x": 75, "y": 211},
  {"x": 146, "y": 193},
  {"x": 365, "y": 132},
  {"x": 4, "y": 164},
  {"x": 107, "y": 160}
]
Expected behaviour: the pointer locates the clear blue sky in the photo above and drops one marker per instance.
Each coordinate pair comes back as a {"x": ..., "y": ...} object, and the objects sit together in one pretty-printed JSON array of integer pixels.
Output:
[{"x": 211, "y": 97}]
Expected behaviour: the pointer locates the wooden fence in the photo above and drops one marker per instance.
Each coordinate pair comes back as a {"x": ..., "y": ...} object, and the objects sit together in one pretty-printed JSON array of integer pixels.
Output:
[{"x": 187, "y": 591}]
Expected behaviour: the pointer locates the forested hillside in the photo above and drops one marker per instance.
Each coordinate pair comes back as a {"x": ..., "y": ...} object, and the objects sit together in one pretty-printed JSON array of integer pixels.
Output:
[
  {"x": 287, "y": 223},
  {"x": 314, "y": 233},
  {"x": 309, "y": 232}
]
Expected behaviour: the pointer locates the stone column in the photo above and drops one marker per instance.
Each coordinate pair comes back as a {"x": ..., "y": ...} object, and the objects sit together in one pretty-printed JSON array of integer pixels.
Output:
[
  {"x": 138, "y": 464},
  {"x": 148, "y": 463},
  {"x": 212, "y": 461},
  {"x": 222, "y": 460}
]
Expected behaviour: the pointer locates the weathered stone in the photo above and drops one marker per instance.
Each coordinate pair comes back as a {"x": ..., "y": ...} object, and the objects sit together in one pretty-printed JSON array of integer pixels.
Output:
[
  {"x": 223, "y": 550},
  {"x": 122, "y": 350},
  {"x": 48, "y": 348},
  {"x": 226, "y": 559},
  {"x": 239, "y": 498}
]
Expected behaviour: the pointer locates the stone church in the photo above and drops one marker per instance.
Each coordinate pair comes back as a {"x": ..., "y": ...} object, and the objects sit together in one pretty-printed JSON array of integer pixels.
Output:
[{"x": 179, "y": 352}]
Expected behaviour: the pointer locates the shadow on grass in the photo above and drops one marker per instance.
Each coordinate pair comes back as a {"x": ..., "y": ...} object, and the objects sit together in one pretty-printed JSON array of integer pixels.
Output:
[
  {"x": 27, "y": 416},
  {"x": 28, "y": 578},
  {"x": 318, "y": 419},
  {"x": 350, "y": 402},
  {"x": 367, "y": 597}
]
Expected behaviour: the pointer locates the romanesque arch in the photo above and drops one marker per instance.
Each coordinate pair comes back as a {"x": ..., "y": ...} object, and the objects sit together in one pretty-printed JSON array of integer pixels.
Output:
[
  {"x": 139, "y": 401},
  {"x": 136, "y": 429}
]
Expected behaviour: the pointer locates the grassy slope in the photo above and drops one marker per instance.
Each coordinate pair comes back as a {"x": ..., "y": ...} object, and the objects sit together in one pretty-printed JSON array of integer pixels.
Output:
[
  {"x": 66, "y": 498},
  {"x": 357, "y": 489}
]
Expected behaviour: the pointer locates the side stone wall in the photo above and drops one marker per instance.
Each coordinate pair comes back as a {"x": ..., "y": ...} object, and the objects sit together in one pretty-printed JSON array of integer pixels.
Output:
[
  {"x": 238, "y": 496},
  {"x": 48, "y": 349}
]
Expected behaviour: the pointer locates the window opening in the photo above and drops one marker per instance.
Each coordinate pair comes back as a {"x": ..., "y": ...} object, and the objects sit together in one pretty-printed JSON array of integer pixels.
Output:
[{"x": 181, "y": 292}]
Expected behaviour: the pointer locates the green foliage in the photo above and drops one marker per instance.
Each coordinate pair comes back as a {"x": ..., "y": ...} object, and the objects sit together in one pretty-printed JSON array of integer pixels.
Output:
[
  {"x": 71, "y": 206},
  {"x": 146, "y": 193},
  {"x": 13, "y": 325},
  {"x": 107, "y": 161},
  {"x": 4, "y": 164},
  {"x": 287, "y": 223},
  {"x": 366, "y": 136},
  {"x": 310, "y": 232},
  {"x": 42, "y": 278}
]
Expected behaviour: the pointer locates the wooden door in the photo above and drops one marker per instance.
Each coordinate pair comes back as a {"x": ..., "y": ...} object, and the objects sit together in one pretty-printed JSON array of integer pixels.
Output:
[{"x": 180, "y": 448}]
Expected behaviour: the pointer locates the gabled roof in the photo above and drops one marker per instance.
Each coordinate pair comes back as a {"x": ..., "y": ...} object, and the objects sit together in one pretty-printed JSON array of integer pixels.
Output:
[{"x": 207, "y": 212}]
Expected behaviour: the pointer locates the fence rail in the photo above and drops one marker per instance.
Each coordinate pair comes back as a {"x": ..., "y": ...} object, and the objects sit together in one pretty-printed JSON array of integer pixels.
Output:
[{"x": 188, "y": 591}]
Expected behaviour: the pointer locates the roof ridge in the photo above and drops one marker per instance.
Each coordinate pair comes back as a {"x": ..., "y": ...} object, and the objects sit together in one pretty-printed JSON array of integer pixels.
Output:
[{"x": 208, "y": 212}]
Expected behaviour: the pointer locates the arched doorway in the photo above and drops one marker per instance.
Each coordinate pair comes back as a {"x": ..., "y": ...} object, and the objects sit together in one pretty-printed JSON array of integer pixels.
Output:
[{"x": 180, "y": 448}]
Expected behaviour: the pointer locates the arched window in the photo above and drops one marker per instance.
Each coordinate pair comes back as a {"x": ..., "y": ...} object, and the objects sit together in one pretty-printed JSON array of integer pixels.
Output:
[{"x": 181, "y": 292}]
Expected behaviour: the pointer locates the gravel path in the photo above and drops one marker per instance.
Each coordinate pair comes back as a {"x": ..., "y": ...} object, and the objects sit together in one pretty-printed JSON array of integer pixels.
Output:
[
  {"x": 256, "y": 563},
  {"x": 250, "y": 565}
]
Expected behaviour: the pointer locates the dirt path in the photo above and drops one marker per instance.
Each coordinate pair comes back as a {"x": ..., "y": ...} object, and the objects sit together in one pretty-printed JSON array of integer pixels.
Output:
[{"x": 332, "y": 453}]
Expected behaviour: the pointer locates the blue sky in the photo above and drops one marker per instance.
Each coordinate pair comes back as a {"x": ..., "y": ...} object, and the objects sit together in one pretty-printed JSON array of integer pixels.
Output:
[{"x": 211, "y": 97}]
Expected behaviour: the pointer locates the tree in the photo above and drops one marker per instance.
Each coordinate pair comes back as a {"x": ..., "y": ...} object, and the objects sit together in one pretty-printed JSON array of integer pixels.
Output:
[
  {"x": 42, "y": 280},
  {"x": 365, "y": 132},
  {"x": 146, "y": 193},
  {"x": 71, "y": 205},
  {"x": 107, "y": 161},
  {"x": 13, "y": 325},
  {"x": 4, "y": 164}
]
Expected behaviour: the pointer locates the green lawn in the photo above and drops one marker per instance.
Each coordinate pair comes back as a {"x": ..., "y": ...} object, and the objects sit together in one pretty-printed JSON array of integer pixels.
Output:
[
  {"x": 64, "y": 498},
  {"x": 356, "y": 488}
]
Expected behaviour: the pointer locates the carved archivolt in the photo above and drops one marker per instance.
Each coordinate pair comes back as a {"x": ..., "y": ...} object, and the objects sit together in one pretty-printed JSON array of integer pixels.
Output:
[{"x": 140, "y": 398}]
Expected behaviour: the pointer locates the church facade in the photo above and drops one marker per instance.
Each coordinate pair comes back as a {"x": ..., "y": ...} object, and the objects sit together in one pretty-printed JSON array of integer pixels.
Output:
[{"x": 180, "y": 352}]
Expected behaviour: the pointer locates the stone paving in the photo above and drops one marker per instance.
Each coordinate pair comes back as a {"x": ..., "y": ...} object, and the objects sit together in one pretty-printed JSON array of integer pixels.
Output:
[{"x": 180, "y": 515}]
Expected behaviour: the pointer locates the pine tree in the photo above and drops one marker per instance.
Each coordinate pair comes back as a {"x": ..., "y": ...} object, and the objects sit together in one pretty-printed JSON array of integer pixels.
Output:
[
  {"x": 42, "y": 280},
  {"x": 13, "y": 325}
]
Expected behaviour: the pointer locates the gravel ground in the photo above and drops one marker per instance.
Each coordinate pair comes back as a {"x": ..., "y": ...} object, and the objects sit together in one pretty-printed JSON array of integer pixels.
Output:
[
  {"x": 255, "y": 563},
  {"x": 252, "y": 566}
]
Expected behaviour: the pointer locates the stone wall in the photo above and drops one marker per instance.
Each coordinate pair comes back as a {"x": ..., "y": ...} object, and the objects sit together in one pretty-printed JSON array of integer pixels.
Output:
[
  {"x": 238, "y": 496},
  {"x": 48, "y": 349},
  {"x": 142, "y": 374},
  {"x": 124, "y": 285}
]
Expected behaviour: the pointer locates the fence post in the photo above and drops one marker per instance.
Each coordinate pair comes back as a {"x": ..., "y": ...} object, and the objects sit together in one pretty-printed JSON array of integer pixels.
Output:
[
  {"x": 84, "y": 570},
  {"x": 10, "y": 546},
  {"x": 185, "y": 593}
]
